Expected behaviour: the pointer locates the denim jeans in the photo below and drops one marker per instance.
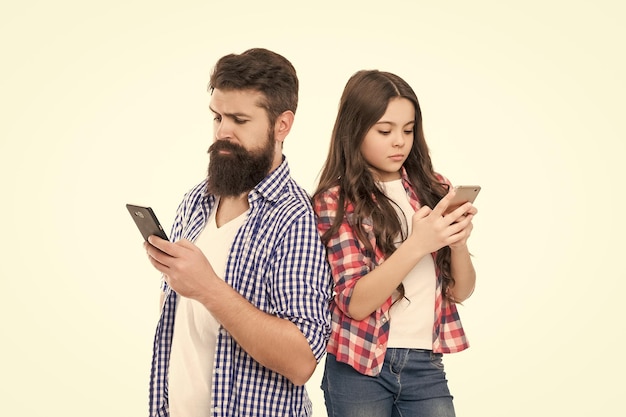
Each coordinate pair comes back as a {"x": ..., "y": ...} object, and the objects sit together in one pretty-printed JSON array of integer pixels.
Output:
[{"x": 411, "y": 384}]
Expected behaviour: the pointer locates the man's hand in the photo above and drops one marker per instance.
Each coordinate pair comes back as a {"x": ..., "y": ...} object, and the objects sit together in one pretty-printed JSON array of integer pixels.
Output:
[{"x": 184, "y": 266}]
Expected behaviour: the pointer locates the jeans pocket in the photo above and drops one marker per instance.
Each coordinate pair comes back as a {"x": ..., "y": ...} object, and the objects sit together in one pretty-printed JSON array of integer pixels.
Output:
[{"x": 436, "y": 359}]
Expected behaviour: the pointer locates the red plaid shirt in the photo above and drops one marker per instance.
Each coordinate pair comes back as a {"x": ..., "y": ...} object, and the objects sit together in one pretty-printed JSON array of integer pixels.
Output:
[{"x": 362, "y": 344}]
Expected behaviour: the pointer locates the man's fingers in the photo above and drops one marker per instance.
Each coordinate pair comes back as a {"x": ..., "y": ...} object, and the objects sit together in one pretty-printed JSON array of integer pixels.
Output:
[
  {"x": 154, "y": 249},
  {"x": 173, "y": 249},
  {"x": 157, "y": 258},
  {"x": 157, "y": 242}
]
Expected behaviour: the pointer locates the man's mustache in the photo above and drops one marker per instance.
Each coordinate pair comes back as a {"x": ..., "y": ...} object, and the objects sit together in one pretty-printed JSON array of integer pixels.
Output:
[{"x": 224, "y": 145}]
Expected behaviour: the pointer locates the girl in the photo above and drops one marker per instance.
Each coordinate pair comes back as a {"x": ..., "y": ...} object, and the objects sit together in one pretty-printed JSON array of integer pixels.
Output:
[{"x": 399, "y": 259}]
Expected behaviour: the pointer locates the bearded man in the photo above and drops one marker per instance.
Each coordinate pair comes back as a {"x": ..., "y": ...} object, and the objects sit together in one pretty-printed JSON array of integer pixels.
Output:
[{"x": 246, "y": 284}]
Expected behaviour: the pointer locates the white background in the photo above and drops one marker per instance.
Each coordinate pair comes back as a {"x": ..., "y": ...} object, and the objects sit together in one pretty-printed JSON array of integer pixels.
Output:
[{"x": 105, "y": 103}]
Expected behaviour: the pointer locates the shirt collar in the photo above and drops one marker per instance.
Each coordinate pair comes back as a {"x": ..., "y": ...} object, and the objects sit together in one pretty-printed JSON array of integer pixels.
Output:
[
  {"x": 405, "y": 178},
  {"x": 271, "y": 187}
]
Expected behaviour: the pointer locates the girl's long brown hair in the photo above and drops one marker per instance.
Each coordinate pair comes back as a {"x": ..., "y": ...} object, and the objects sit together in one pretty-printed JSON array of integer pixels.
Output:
[{"x": 363, "y": 103}]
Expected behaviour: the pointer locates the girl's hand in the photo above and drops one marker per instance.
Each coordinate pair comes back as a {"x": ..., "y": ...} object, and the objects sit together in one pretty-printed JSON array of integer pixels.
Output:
[{"x": 433, "y": 229}]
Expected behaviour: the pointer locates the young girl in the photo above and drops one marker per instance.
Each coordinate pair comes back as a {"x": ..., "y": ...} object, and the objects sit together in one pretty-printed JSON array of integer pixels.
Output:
[{"x": 399, "y": 258}]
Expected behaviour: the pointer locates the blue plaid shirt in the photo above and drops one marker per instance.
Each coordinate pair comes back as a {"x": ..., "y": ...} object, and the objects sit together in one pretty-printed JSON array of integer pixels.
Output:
[{"x": 279, "y": 264}]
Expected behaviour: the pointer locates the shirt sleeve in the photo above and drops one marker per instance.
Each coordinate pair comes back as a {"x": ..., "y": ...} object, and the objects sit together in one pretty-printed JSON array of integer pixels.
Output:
[
  {"x": 302, "y": 289},
  {"x": 347, "y": 256}
]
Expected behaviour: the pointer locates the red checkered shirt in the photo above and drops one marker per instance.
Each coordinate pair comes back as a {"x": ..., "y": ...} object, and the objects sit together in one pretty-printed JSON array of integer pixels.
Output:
[{"x": 362, "y": 343}]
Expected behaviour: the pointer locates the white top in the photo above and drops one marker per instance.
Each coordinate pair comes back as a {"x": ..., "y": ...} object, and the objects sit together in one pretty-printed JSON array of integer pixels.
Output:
[
  {"x": 195, "y": 331},
  {"x": 412, "y": 318}
]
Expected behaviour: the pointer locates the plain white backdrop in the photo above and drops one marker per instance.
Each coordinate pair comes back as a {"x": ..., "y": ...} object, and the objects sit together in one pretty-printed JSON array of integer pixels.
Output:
[{"x": 105, "y": 103}]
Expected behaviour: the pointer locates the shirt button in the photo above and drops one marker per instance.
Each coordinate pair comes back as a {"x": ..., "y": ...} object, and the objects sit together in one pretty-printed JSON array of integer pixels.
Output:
[{"x": 383, "y": 320}]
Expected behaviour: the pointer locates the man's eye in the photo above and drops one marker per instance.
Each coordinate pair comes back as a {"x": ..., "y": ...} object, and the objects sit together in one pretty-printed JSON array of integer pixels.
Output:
[
  {"x": 240, "y": 122},
  {"x": 217, "y": 118}
]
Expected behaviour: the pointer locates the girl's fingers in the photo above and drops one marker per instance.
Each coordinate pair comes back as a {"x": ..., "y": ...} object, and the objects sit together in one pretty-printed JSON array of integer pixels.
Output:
[{"x": 444, "y": 203}]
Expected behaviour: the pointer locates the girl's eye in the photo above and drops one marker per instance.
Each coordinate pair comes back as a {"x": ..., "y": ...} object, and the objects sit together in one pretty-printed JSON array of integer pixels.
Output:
[
  {"x": 384, "y": 132},
  {"x": 409, "y": 132}
]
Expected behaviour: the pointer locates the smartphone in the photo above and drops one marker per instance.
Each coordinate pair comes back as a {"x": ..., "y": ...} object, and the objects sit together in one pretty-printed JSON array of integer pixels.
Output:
[
  {"x": 464, "y": 193},
  {"x": 146, "y": 221}
]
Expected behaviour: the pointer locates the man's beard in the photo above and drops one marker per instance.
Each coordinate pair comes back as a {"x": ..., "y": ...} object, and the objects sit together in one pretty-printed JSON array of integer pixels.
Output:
[{"x": 238, "y": 171}]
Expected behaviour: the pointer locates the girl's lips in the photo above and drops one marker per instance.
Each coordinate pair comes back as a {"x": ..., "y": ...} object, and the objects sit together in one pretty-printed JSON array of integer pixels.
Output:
[{"x": 396, "y": 158}]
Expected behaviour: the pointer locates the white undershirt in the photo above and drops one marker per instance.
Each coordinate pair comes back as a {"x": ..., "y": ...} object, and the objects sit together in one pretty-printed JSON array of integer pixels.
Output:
[
  {"x": 411, "y": 319},
  {"x": 195, "y": 331}
]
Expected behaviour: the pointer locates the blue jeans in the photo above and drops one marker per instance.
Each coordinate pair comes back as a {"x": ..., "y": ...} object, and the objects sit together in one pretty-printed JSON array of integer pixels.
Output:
[{"x": 411, "y": 384}]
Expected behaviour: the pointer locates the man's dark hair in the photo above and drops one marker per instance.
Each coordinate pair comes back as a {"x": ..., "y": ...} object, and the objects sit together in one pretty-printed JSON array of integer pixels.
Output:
[{"x": 260, "y": 70}]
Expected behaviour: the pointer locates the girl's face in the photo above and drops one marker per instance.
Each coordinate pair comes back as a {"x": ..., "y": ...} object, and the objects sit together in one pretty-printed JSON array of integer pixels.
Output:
[{"x": 387, "y": 144}]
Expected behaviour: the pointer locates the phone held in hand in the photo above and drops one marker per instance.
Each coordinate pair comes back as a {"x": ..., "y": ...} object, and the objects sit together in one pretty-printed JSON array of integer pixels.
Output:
[
  {"x": 464, "y": 194},
  {"x": 146, "y": 221}
]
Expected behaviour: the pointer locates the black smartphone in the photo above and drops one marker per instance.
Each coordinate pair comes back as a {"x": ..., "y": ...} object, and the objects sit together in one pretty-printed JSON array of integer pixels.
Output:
[{"x": 146, "y": 221}]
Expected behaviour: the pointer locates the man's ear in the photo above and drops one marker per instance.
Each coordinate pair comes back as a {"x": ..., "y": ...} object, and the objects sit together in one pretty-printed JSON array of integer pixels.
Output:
[{"x": 283, "y": 124}]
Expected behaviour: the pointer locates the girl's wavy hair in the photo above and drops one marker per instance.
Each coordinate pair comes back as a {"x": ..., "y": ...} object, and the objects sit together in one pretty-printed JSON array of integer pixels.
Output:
[{"x": 362, "y": 104}]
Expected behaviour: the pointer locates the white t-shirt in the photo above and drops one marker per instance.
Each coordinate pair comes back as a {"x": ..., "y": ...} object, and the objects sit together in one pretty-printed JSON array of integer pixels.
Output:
[
  {"x": 195, "y": 331},
  {"x": 411, "y": 319}
]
